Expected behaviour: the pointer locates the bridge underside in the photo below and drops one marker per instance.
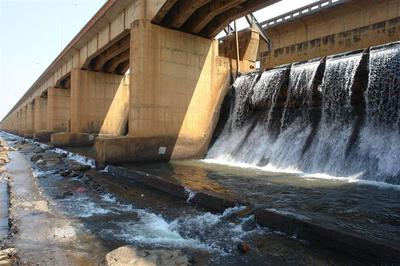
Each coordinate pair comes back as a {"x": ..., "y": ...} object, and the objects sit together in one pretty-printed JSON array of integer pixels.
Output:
[
  {"x": 168, "y": 106},
  {"x": 205, "y": 18}
]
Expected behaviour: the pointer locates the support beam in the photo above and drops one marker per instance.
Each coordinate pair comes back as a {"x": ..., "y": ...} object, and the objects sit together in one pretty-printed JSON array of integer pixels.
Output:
[
  {"x": 123, "y": 67},
  {"x": 164, "y": 11},
  {"x": 219, "y": 22},
  {"x": 182, "y": 11},
  {"x": 111, "y": 65},
  {"x": 253, "y": 23},
  {"x": 97, "y": 63},
  {"x": 208, "y": 12}
]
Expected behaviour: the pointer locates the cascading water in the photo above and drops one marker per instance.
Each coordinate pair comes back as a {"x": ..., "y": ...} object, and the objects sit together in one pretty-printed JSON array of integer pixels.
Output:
[
  {"x": 327, "y": 152},
  {"x": 255, "y": 108},
  {"x": 380, "y": 137},
  {"x": 326, "y": 128}
]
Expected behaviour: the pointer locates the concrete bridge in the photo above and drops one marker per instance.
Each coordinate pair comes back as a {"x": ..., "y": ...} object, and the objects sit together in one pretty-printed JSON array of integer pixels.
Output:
[{"x": 145, "y": 79}]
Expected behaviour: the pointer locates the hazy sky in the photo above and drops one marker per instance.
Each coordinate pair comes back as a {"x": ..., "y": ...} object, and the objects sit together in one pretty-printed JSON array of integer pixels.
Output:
[{"x": 33, "y": 33}]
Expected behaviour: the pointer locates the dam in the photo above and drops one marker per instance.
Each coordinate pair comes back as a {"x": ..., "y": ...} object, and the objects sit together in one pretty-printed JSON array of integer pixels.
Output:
[
  {"x": 163, "y": 125},
  {"x": 338, "y": 115}
]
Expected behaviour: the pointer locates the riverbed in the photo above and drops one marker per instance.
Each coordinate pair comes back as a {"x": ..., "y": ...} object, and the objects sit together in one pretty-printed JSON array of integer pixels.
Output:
[{"x": 94, "y": 212}]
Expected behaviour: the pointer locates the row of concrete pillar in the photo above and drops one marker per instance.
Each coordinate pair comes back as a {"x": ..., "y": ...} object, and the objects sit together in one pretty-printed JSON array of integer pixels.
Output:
[{"x": 167, "y": 107}]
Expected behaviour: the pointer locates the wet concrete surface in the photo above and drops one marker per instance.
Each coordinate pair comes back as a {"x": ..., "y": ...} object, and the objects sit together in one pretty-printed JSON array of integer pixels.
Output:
[
  {"x": 370, "y": 211},
  {"x": 77, "y": 218}
]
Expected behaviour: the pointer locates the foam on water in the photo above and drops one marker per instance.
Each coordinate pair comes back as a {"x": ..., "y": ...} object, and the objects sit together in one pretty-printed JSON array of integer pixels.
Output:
[
  {"x": 326, "y": 131},
  {"x": 76, "y": 157},
  {"x": 108, "y": 197}
]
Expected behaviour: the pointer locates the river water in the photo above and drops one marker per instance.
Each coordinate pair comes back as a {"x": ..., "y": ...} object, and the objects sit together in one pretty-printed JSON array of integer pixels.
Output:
[
  {"x": 109, "y": 213},
  {"x": 3, "y": 209}
]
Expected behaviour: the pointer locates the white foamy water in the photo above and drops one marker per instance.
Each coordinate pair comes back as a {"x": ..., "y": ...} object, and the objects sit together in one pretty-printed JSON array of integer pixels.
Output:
[
  {"x": 81, "y": 206},
  {"x": 326, "y": 132},
  {"x": 76, "y": 157}
]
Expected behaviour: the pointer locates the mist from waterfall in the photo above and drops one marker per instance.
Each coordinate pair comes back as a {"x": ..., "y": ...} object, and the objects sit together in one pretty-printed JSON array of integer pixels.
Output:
[{"x": 315, "y": 117}]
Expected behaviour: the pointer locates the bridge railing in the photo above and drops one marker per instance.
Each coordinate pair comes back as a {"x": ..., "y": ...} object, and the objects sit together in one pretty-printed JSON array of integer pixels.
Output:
[{"x": 300, "y": 12}]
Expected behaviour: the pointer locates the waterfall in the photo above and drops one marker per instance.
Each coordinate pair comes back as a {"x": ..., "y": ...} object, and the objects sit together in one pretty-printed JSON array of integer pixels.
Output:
[
  {"x": 254, "y": 100},
  {"x": 320, "y": 120},
  {"x": 380, "y": 137},
  {"x": 327, "y": 153}
]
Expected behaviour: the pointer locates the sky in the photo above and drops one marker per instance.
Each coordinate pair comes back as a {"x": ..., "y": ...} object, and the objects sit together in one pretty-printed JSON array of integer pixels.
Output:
[{"x": 33, "y": 33}]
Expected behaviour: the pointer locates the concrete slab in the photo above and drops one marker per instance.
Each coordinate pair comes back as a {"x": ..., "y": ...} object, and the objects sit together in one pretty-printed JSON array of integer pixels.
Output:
[
  {"x": 72, "y": 139},
  {"x": 207, "y": 199},
  {"x": 42, "y": 136},
  {"x": 354, "y": 219}
]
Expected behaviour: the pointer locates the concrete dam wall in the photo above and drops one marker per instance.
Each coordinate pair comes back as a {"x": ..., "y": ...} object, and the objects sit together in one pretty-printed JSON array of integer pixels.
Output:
[
  {"x": 351, "y": 25},
  {"x": 338, "y": 115}
]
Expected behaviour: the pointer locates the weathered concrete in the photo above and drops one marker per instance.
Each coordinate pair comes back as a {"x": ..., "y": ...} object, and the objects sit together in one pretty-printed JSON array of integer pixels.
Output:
[
  {"x": 98, "y": 102},
  {"x": 40, "y": 125},
  {"x": 168, "y": 106},
  {"x": 40, "y": 114},
  {"x": 208, "y": 199},
  {"x": 58, "y": 109},
  {"x": 354, "y": 245},
  {"x": 353, "y": 25},
  {"x": 173, "y": 113},
  {"x": 71, "y": 139}
]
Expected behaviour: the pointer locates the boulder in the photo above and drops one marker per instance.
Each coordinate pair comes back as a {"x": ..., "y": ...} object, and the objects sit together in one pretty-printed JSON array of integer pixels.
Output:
[
  {"x": 36, "y": 157},
  {"x": 80, "y": 167},
  {"x": 132, "y": 256},
  {"x": 38, "y": 150}
]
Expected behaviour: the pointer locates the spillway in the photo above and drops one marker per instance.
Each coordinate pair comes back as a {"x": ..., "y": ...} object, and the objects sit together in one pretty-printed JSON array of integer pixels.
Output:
[{"x": 336, "y": 116}]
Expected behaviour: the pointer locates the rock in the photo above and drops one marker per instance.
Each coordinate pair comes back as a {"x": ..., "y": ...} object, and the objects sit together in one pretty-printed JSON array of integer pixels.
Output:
[
  {"x": 80, "y": 167},
  {"x": 38, "y": 150},
  {"x": 6, "y": 256},
  {"x": 6, "y": 262},
  {"x": 65, "y": 194},
  {"x": 243, "y": 247},
  {"x": 80, "y": 190},
  {"x": 75, "y": 173},
  {"x": 249, "y": 225},
  {"x": 36, "y": 157},
  {"x": 66, "y": 172},
  {"x": 62, "y": 155},
  {"x": 132, "y": 256}
]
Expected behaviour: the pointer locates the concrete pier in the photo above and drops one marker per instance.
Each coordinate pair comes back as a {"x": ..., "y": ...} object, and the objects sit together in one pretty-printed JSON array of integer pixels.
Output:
[{"x": 145, "y": 80}]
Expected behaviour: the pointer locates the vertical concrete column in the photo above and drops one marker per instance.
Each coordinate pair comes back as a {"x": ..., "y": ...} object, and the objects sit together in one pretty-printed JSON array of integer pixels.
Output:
[
  {"x": 40, "y": 114},
  {"x": 21, "y": 120},
  {"x": 41, "y": 133},
  {"x": 58, "y": 106},
  {"x": 29, "y": 119},
  {"x": 18, "y": 122},
  {"x": 23, "y": 126},
  {"x": 30, "y": 116},
  {"x": 99, "y": 102},
  {"x": 175, "y": 86}
]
